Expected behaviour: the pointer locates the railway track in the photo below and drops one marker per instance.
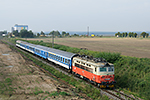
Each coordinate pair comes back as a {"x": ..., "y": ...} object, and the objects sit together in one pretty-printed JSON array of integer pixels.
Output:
[{"x": 113, "y": 94}]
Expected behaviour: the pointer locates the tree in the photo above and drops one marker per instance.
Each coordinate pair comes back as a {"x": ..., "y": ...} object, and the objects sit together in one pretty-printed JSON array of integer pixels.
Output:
[
  {"x": 42, "y": 33},
  {"x": 147, "y": 34},
  {"x": 38, "y": 34},
  {"x": 30, "y": 34},
  {"x": 126, "y": 34},
  {"x": 118, "y": 34},
  {"x": 51, "y": 33},
  {"x": 23, "y": 33},
  {"x": 63, "y": 33},
  {"x": 135, "y": 35},
  {"x": 16, "y": 33},
  {"x": 56, "y": 33},
  {"x": 75, "y": 35},
  {"x": 26, "y": 34},
  {"x": 123, "y": 34},
  {"x": 131, "y": 34},
  {"x": 67, "y": 34},
  {"x": 143, "y": 34}
]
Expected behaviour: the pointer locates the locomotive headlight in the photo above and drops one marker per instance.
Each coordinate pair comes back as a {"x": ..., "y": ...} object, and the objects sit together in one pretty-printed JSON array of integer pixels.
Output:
[
  {"x": 111, "y": 75},
  {"x": 103, "y": 76}
]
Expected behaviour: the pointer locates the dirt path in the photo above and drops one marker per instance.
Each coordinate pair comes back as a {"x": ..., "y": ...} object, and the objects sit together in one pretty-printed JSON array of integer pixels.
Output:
[{"x": 20, "y": 80}]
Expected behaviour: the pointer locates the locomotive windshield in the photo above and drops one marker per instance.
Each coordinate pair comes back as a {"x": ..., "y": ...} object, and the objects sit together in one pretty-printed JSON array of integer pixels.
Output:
[
  {"x": 106, "y": 69},
  {"x": 103, "y": 69}
]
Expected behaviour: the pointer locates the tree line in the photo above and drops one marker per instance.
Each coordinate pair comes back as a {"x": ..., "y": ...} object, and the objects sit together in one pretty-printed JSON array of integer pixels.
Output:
[
  {"x": 54, "y": 33},
  {"x": 29, "y": 34},
  {"x": 131, "y": 34},
  {"x": 23, "y": 34}
]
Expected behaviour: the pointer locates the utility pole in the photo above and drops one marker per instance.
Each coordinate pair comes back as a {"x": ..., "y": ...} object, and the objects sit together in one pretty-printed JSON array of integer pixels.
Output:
[
  {"x": 52, "y": 39},
  {"x": 88, "y": 31}
]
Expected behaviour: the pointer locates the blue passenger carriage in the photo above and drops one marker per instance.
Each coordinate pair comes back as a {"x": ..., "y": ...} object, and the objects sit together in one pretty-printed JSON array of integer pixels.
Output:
[
  {"x": 41, "y": 51},
  {"x": 26, "y": 46},
  {"x": 21, "y": 44},
  {"x": 61, "y": 57}
]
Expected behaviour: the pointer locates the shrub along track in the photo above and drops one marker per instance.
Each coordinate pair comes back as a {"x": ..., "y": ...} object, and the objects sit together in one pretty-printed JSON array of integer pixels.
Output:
[{"x": 113, "y": 94}]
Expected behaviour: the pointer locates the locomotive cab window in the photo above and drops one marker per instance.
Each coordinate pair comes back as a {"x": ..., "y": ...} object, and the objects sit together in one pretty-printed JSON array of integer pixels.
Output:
[{"x": 103, "y": 69}]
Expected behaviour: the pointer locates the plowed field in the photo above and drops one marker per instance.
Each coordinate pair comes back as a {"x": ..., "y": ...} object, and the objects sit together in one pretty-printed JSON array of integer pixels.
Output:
[{"x": 126, "y": 46}]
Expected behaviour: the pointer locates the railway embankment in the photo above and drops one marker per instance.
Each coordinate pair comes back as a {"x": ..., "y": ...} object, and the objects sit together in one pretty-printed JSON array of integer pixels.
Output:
[
  {"x": 80, "y": 86},
  {"x": 131, "y": 73},
  {"x": 20, "y": 79}
]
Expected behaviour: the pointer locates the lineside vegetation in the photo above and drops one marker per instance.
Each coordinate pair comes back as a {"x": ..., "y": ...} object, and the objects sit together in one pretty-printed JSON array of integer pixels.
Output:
[{"x": 131, "y": 73}]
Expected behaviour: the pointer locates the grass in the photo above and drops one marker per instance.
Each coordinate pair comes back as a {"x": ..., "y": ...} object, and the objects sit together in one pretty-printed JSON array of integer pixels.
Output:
[
  {"x": 131, "y": 73},
  {"x": 38, "y": 92},
  {"x": 44, "y": 97},
  {"x": 94, "y": 94},
  {"x": 5, "y": 87},
  {"x": 55, "y": 93},
  {"x": 20, "y": 87},
  {"x": 8, "y": 80}
]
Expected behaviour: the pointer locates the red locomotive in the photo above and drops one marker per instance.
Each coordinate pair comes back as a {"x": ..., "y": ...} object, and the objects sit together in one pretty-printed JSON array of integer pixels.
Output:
[{"x": 97, "y": 71}]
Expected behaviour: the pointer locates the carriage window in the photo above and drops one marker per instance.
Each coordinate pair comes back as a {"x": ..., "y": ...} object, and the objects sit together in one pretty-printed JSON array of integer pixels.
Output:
[
  {"x": 45, "y": 54},
  {"x": 95, "y": 69},
  {"x": 102, "y": 69},
  {"x": 59, "y": 58},
  {"x": 63, "y": 59},
  {"x": 68, "y": 61}
]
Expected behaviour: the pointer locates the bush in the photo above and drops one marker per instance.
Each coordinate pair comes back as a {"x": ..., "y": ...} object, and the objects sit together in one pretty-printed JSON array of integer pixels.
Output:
[{"x": 133, "y": 73}]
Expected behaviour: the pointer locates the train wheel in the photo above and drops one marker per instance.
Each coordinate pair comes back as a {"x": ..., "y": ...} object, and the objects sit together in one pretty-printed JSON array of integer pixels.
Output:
[
  {"x": 98, "y": 85},
  {"x": 95, "y": 83}
]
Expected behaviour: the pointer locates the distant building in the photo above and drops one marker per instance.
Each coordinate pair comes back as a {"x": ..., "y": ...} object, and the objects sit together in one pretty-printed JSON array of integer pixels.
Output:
[{"x": 19, "y": 27}]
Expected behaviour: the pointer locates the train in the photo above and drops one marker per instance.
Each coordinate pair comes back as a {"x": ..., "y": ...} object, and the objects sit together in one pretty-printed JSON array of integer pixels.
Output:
[{"x": 95, "y": 70}]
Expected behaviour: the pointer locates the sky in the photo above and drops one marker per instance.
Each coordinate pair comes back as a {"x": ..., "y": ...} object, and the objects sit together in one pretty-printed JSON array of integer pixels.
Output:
[{"x": 76, "y": 15}]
